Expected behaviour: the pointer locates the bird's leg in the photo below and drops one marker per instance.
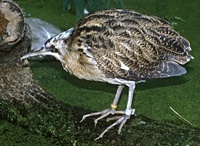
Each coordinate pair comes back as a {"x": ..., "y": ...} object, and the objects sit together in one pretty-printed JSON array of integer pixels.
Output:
[
  {"x": 112, "y": 109},
  {"x": 121, "y": 120},
  {"x": 109, "y": 111}
]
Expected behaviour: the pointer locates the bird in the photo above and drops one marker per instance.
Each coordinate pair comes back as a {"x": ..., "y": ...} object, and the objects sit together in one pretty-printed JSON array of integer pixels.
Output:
[{"x": 121, "y": 47}]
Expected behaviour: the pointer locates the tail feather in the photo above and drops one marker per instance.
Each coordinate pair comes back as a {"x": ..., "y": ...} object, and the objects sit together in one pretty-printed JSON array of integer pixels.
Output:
[{"x": 169, "y": 69}]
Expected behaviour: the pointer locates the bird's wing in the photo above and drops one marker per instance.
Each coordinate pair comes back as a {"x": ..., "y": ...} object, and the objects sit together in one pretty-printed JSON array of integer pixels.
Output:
[{"x": 129, "y": 45}]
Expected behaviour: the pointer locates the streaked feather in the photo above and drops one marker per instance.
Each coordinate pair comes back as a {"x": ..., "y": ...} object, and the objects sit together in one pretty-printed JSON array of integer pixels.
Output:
[{"x": 147, "y": 45}]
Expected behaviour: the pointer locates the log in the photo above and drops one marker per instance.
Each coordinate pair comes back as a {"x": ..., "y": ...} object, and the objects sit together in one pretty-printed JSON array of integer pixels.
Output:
[
  {"x": 12, "y": 24},
  {"x": 16, "y": 80},
  {"x": 25, "y": 103}
]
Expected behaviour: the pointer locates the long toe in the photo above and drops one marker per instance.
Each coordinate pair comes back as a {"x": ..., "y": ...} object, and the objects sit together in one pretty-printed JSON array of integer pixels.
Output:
[
  {"x": 121, "y": 120},
  {"x": 94, "y": 114}
]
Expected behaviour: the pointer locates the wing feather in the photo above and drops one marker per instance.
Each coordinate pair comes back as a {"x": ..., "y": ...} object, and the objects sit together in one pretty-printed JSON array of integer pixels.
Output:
[{"x": 146, "y": 46}]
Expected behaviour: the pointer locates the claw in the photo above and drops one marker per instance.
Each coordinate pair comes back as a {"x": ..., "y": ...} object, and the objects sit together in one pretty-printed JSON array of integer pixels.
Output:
[{"x": 120, "y": 120}]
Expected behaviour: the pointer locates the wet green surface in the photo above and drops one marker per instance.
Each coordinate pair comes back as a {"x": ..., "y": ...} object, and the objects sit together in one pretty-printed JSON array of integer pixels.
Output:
[
  {"x": 11, "y": 134},
  {"x": 152, "y": 98},
  {"x": 56, "y": 123}
]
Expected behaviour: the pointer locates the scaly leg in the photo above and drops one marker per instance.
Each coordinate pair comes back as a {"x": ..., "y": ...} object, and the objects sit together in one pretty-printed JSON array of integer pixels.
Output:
[
  {"x": 120, "y": 120},
  {"x": 106, "y": 112}
]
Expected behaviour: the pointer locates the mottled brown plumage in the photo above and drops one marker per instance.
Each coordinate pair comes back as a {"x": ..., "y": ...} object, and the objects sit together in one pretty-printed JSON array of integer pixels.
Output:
[
  {"x": 146, "y": 44},
  {"x": 119, "y": 47}
]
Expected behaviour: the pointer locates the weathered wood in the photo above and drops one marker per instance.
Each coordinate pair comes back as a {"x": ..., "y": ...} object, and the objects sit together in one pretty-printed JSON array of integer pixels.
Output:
[
  {"x": 12, "y": 24},
  {"x": 16, "y": 80}
]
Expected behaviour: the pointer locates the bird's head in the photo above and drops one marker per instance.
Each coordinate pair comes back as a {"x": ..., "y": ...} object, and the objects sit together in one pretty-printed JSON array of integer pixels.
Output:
[{"x": 55, "y": 46}]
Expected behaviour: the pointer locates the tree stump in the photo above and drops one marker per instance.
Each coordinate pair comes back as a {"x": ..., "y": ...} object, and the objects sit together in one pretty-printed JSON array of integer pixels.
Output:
[
  {"x": 16, "y": 81},
  {"x": 25, "y": 103}
]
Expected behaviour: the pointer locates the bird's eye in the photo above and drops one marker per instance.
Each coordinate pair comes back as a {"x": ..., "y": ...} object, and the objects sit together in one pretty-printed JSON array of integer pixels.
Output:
[{"x": 52, "y": 46}]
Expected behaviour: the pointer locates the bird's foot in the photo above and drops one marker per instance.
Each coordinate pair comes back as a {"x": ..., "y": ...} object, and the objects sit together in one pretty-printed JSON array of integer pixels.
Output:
[
  {"x": 104, "y": 113},
  {"x": 120, "y": 120}
]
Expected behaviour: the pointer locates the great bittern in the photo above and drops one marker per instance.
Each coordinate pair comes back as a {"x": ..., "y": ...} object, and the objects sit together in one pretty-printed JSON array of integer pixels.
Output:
[{"x": 119, "y": 47}]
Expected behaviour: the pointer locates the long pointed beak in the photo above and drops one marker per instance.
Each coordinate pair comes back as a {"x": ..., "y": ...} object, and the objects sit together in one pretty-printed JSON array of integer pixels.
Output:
[
  {"x": 36, "y": 53},
  {"x": 42, "y": 52}
]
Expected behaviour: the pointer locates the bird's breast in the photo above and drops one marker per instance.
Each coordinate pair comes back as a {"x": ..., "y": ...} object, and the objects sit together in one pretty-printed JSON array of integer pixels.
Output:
[{"x": 82, "y": 67}]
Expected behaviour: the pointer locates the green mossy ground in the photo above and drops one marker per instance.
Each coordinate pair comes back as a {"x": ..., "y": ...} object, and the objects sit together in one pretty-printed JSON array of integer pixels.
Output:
[
  {"x": 152, "y": 98},
  {"x": 14, "y": 135}
]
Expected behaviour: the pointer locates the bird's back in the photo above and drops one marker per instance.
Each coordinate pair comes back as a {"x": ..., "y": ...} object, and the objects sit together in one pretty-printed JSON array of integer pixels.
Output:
[{"x": 128, "y": 45}]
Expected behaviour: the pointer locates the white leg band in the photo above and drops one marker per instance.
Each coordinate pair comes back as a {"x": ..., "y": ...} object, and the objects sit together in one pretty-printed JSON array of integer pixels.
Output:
[{"x": 129, "y": 112}]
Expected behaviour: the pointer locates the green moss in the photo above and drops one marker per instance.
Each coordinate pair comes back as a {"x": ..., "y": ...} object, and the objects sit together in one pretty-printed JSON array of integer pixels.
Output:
[
  {"x": 11, "y": 134},
  {"x": 59, "y": 123}
]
